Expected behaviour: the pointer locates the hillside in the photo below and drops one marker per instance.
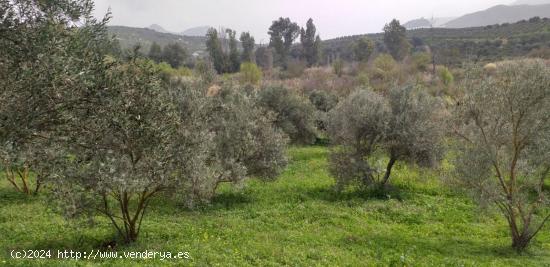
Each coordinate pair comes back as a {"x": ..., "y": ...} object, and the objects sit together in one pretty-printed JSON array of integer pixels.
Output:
[
  {"x": 158, "y": 28},
  {"x": 418, "y": 23},
  {"x": 128, "y": 37},
  {"x": 197, "y": 31},
  {"x": 456, "y": 45},
  {"x": 531, "y": 2},
  {"x": 500, "y": 14}
]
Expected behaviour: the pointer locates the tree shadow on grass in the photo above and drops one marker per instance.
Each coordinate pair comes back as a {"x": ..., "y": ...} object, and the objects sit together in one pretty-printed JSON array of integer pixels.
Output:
[
  {"x": 330, "y": 194},
  {"x": 10, "y": 196},
  {"x": 228, "y": 200}
]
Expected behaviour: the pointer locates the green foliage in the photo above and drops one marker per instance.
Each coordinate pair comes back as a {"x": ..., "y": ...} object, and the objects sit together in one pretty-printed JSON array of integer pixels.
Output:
[
  {"x": 174, "y": 54},
  {"x": 385, "y": 62},
  {"x": 406, "y": 126},
  {"x": 363, "y": 49},
  {"x": 395, "y": 39},
  {"x": 264, "y": 58},
  {"x": 503, "y": 126},
  {"x": 250, "y": 73},
  {"x": 234, "y": 57},
  {"x": 323, "y": 102},
  {"x": 311, "y": 43},
  {"x": 248, "y": 43},
  {"x": 42, "y": 60},
  {"x": 294, "y": 115},
  {"x": 224, "y": 61},
  {"x": 205, "y": 71},
  {"x": 215, "y": 51},
  {"x": 155, "y": 53},
  {"x": 338, "y": 67},
  {"x": 446, "y": 76},
  {"x": 131, "y": 148},
  {"x": 282, "y": 34},
  {"x": 384, "y": 70},
  {"x": 421, "y": 61},
  {"x": 167, "y": 71}
]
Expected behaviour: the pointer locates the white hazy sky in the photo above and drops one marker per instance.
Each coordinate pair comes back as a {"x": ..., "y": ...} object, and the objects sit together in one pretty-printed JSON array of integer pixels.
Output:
[{"x": 333, "y": 18}]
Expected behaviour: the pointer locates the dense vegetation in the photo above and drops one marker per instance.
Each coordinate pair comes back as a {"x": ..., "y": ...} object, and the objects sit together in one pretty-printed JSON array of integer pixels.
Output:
[{"x": 372, "y": 157}]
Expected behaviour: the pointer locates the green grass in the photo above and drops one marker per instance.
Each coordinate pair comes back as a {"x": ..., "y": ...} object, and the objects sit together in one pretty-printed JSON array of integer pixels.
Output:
[{"x": 297, "y": 221}]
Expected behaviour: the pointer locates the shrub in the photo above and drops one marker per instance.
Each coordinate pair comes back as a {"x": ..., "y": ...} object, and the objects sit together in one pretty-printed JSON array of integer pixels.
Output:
[
  {"x": 503, "y": 126},
  {"x": 294, "y": 69},
  {"x": 205, "y": 71},
  {"x": 421, "y": 61},
  {"x": 406, "y": 126},
  {"x": 338, "y": 67},
  {"x": 446, "y": 76},
  {"x": 323, "y": 102},
  {"x": 167, "y": 72},
  {"x": 490, "y": 68},
  {"x": 384, "y": 68},
  {"x": 250, "y": 73},
  {"x": 294, "y": 115}
]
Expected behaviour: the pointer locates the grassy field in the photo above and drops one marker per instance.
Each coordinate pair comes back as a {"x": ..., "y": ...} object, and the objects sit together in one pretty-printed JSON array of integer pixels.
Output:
[{"x": 296, "y": 221}]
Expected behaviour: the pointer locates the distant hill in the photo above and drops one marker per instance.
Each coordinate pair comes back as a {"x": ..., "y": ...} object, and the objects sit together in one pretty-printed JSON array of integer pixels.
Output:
[
  {"x": 418, "y": 23},
  {"x": 531, "y": 2},
  {"x": 427, "y": 23},
  {"x": 158, "y": 28},
  {"x": 128, "y": 37},
  {"x": 196, "y": 31},
  {"x": 453, "y": 45},
  {"x": 500, "y": 14}
]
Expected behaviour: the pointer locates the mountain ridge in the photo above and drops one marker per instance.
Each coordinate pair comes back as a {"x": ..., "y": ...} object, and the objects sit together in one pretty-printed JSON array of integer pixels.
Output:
[{"x": 500, "y": 14}]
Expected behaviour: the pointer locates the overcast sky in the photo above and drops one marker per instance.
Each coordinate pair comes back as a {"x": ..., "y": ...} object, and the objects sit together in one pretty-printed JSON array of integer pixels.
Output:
[{"x": 333, "y": 18}]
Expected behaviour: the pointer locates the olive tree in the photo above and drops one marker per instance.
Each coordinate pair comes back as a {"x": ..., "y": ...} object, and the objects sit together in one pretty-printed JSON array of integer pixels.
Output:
[
  {"x": 123, "y": 147},
  {"x": 294, "y": 115},
  {"x": 44, "y": 56},
  {"x": 503, "y": 128},
  {"x": 323, "y": 102},
  {"x": 415, "y": 128},
  {"x": 356, "y": 127},
  {"x": 404, "y": 126},
  {"x": 243, "y": 142}
]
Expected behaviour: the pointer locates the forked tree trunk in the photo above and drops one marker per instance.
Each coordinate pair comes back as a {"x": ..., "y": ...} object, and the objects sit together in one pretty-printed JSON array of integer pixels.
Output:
[
  {"x": 520, "y": 242},
  {"x": 129, "y": 221},
  {"x": 20, "y": 180}
]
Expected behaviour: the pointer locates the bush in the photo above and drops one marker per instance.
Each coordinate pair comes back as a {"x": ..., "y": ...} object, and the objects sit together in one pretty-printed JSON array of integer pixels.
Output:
[
  {"x": 250, "y": 73},
  {"x": 205, "y": 70},
  {"x": 294, "y": 115},
  {"x": 421, "y": 61},
  {"x": 503, "y": 124},
  {"x": 294, "y": 69},
  {"x": 338, "y": 67},
  {"x": 446, "y": 76},
  {"x": 323, "y": 102}
]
